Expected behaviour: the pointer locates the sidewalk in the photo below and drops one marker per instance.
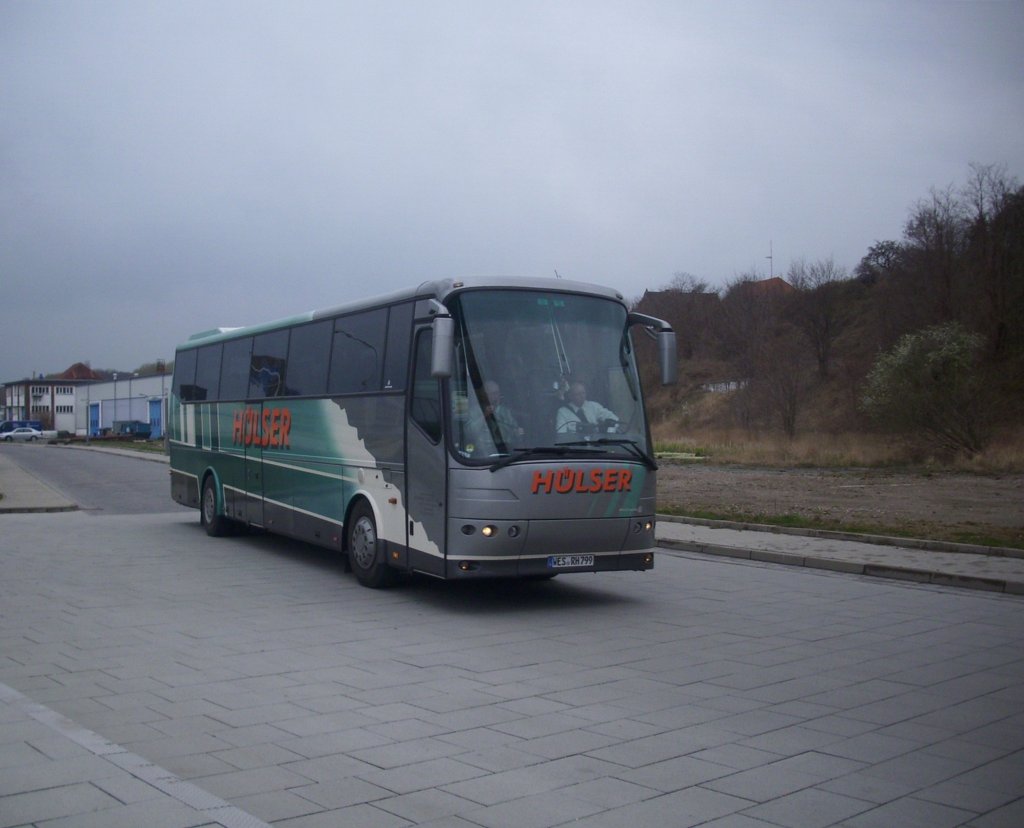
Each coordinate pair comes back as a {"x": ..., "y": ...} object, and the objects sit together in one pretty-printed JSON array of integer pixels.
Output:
[
  {"x": 23, "y": 492},
  {"x": 906, "y": 559},
  {"x": 923, "y": 561}
]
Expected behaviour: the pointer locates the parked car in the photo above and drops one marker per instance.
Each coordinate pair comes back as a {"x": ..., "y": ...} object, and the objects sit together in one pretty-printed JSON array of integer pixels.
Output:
[{"x": 24, "y": 433}]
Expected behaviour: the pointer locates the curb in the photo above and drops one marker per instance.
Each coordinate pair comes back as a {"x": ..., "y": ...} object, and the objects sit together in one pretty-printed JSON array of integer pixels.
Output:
[
  {"x": 879, "y": 540},
  {"x": 151, "y": 457},
  {"x": 33, "y": 510},
  {"x": 898, "y": 573}
]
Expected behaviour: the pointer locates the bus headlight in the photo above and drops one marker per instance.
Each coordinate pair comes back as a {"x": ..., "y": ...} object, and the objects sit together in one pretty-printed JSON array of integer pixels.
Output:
[{"x": 489, "y": 531}]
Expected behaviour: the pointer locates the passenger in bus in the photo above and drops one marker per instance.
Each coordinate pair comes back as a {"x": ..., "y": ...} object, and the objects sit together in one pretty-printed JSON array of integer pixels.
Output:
[
  {"x": 580, "y": 415},
  {"x": 495, "y": 421}
]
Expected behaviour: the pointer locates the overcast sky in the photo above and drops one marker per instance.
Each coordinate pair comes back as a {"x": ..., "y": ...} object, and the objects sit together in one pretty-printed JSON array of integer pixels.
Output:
[{"x": 167, "y": 167}]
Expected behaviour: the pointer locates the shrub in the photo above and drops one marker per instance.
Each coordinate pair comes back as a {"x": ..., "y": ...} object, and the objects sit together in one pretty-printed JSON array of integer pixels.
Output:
[{"x": 930, "y": 387}]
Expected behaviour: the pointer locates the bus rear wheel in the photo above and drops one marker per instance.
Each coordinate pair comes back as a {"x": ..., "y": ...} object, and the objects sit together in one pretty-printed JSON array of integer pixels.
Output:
[
  {"x": 365, "y": 551},
  {"x": 215, "y": 524}
]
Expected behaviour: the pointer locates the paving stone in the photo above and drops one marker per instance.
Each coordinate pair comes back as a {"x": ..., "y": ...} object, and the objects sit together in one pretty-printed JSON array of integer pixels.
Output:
[
  {"x": 340, "y": 793},
  {"x": 809, "y": 808},
  {"x": 40, "y": 805},
  {"x": 728, "y": 693},
  {"x": 539, "y": 811},
  {"x": 258, "y": 780},
  {"x": 435, "y": 773},
  {"x": 424, "y": 807},
  {"x": 911, "y": 813},
  {"x": 676, "y": 774},
  {"x": 680, "y": 810},
  {"x": 1007, "y": 816}
]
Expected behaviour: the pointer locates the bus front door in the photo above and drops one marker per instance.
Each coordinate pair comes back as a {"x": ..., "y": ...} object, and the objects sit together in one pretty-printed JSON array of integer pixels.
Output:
[{"x": 426, "y": 469}]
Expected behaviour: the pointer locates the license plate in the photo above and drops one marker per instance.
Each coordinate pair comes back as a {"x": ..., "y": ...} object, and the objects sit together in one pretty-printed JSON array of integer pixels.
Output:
[{"x": 569, "y": 561}]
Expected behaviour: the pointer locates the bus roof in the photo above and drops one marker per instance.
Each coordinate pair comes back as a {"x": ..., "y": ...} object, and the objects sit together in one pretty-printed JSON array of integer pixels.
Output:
[{"x": 440, "y": 290}]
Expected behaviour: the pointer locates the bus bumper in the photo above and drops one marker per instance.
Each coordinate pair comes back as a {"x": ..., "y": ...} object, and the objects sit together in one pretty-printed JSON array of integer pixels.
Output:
[{"x": 470, "y": 568}]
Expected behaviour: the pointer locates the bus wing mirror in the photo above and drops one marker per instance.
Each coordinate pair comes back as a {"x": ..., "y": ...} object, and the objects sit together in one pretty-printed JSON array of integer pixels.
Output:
[
  {"x": 443, "y": 334},
  {"x": 666, "y": 337}
]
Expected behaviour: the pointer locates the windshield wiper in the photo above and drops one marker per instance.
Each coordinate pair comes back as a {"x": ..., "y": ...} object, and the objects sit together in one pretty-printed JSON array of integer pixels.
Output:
[
  {"x": 541, "y": 451},
  {"x": 630, "y": 446}
]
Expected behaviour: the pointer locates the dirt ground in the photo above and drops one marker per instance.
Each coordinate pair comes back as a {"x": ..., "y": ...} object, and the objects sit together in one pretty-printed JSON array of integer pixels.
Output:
[{"x": 941, "y": 505}]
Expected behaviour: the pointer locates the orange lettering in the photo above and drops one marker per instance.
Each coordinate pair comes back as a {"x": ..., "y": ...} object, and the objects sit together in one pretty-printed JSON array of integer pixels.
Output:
[
  {"x": 286, "y": 425},
  {"x": 250, "y": 427},
  {"x": 265, "y": 428},
  {"x": 275, "y": 425},
  {"x": 542, "y": 480},
  {"x": 565, "y": 480}
]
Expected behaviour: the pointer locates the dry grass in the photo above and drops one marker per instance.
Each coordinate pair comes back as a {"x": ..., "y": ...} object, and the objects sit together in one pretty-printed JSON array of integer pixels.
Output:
[{"x": 847, "y": 449}]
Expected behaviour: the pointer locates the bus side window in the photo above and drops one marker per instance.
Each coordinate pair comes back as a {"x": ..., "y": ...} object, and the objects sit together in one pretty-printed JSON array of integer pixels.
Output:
[
  {"x": 425, "y": 408},
  {"x": 267, "y": 367},
  {"x": 207, "y": 385},
  {"x": 308, "y": 356},
  {"x": 396, "y": 354},
  {"x": 356, "y": 352},
  {"x": 183, "y": 386},
  {"x": 234, "y": 371}
]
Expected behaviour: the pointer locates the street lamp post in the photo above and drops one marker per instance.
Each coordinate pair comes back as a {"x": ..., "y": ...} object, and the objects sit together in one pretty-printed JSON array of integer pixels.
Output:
[
  {"x": 161, "y": 366},
  {"x": 130, "y": 398}
]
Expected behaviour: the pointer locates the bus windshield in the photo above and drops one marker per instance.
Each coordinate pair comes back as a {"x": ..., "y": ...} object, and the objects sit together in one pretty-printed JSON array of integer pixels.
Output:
[{"x": 543, "y": 373}]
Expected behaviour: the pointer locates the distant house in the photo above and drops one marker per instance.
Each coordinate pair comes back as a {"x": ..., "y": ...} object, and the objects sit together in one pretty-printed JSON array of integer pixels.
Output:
[
  {"x": 49, "y": 400},
  {"x": 692, "y": 316},
  {"x": 773, "y": 287},
  {"x": 82, "y": 401},
  {"x": 81, "y": 371},
  {"x": 701, "y": 319}
]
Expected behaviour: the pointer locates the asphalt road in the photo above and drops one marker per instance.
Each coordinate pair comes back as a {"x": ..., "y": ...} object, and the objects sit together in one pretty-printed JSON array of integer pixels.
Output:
[
  {"x": 254, "y": 674},
  {"x": 100, "y": 483}
]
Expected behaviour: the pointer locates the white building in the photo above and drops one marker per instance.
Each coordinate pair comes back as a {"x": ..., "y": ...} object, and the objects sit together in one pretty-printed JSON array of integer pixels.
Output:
[
  {"x": 127, "y": 398},
  {"x": 80, "y": 406}
]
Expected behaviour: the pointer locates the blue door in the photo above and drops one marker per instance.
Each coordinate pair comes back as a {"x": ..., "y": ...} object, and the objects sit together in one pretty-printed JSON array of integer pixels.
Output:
[
  {"x": 94, "y": 419},
  {"x": 156, "y": 430}
]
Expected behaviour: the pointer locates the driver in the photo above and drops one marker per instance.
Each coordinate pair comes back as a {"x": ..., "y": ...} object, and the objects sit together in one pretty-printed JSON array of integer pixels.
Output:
[{"x": 578, "y": 414}]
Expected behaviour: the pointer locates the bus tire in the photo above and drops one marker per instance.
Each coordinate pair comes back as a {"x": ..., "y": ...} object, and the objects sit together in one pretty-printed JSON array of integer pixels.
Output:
[
  {"x": 365, "y": 552},
  {"x": 215, "y": 524}
]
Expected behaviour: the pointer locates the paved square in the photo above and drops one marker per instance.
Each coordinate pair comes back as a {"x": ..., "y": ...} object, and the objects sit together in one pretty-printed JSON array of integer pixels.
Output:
[{"x": 261, "y": 680}]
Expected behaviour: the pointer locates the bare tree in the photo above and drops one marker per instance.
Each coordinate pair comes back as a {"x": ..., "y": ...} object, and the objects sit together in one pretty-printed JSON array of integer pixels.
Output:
[
  {"x": 688, "y": 283},
  {"x": 816, "y": 307},
  {"x": 880, "y": 262},
  {"x": 994, "y": 258},
  {"x": 749, "y": 315},
  {"x": 784, "y": 377},
  {"x": 935, "y": 239}
]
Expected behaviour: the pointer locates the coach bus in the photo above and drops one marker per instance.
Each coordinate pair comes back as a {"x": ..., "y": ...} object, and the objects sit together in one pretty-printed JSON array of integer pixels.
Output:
[{"x": 427, "y": 431}]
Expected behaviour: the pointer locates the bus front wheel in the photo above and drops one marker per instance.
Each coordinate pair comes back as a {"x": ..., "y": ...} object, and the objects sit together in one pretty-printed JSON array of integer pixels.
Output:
[
  {"x": 215, "y": 524},
  {"x": 365, "y": 552}
]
